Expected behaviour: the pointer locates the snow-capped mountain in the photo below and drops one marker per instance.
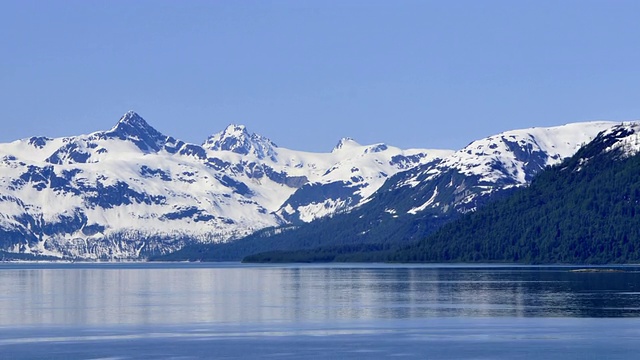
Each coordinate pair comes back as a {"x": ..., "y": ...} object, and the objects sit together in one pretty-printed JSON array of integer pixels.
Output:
[
  {"x": 466, "y": 178},
  {"x": 133, "y": 191}
]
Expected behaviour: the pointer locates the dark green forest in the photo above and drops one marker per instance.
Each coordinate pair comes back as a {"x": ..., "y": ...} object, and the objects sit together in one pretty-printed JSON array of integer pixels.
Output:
[{"x": 340, "y": 253}]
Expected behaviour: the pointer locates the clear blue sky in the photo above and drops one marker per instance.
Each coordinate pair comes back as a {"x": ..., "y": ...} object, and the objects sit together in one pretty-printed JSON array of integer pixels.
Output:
[{"x": 435, "y": 74}]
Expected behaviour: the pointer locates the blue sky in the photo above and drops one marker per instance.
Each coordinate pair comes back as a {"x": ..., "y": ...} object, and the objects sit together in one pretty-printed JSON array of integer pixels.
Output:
[{"x": 433, "y": 74}]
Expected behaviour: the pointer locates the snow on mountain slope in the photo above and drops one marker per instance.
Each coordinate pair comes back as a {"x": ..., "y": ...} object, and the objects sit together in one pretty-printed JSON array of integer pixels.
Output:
[
  {"x": 133, "y": 191},
  {"x": 620, "y": 141},
  {"x": 237, "y": 139},
  {"x": 464, "y": 179},
  {"x": 624, "y": 137},
  {"x": 347, "y": 176},
  {"x": 516, "y": 155}
]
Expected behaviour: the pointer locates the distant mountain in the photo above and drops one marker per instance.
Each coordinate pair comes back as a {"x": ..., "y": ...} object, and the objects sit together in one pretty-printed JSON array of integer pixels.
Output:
[
  {"x": 131, "y": 192},
  {"x": 414, "y": 203},
  {"x": 586, "y": 210}
]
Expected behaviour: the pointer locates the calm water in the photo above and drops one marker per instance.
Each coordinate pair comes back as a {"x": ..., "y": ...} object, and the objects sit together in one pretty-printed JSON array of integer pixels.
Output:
[{"x": 199, "y": 311}]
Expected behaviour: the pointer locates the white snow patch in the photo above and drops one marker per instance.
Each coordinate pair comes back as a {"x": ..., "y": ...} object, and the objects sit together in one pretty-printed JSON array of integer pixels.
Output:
[{"x": 422, "y": 207}]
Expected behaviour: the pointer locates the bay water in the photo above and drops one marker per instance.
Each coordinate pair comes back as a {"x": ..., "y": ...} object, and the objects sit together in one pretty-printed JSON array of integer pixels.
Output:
[{"x": 350, "y": 311}]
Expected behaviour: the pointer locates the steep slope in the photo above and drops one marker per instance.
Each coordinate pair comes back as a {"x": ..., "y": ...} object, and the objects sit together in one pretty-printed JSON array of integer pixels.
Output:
[
  {"x": 464, "y": 180},
  {"x": 132, "y": 191},
  {"x": 586, "y": 210},
  {"x": 414, "y": 203}
]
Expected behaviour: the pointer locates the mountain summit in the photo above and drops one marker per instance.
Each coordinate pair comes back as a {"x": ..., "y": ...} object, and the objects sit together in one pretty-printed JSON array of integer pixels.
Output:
[
  {"x": 132, "y": 126},
  {"x": 237, "y": 139},
  {"x": 345, "y": 143},
  {"x": 132, "y": 118}
]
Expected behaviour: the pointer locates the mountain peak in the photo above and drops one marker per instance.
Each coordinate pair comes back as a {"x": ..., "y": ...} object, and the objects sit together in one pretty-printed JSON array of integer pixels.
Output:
[
  {"x": 131, "y": 117},
  {"x": 237, "y": 139},
  {"x": 131, "y": 120},
  {"x": 236, "y": 130},
  {"x": 345, "y": 143},
  {"x": 132, "y": 126}
]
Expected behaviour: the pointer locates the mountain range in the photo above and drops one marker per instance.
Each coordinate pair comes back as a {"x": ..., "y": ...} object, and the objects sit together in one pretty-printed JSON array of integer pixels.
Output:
[
  {"x": 414, "y": 203},
  {"x": 132, "y": 192}
]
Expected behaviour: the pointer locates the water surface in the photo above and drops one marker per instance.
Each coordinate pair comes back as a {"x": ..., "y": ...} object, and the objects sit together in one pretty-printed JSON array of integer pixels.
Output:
[{"x": 142, "y": 311}]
